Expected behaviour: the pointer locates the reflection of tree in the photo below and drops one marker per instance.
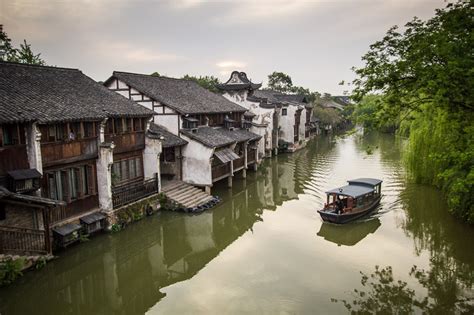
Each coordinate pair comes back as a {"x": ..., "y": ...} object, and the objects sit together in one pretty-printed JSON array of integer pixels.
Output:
[{"x": 382, "y": 294}]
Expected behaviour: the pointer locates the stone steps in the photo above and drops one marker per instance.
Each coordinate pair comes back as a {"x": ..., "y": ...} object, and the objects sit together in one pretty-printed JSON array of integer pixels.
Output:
[{"x": 190, "y": 198}]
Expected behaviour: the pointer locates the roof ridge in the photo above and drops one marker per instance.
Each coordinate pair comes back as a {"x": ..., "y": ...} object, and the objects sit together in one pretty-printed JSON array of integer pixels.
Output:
[
  {"x": 158, "y": 77},
  {"x": 19, "y": 64}
]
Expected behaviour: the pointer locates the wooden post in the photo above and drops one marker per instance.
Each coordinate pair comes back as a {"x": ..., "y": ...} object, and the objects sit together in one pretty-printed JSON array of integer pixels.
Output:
[{"x": 47, "y": 235}]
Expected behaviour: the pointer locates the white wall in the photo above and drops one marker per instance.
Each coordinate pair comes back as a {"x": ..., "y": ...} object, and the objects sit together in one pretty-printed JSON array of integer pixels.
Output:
[
  {"x": 196, "y": 163},
  {"x": 170, "y": 122}
]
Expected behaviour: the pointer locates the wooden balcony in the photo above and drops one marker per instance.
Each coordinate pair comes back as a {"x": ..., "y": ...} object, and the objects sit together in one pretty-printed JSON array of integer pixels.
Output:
[
  {"x": 73, "y": 209},
  {"x": 67, "y": 152},
  {"x": 134, "y": 191},
  {"x": 220, "y": 171},
  {"x": 23, "y": 241},
  {"x": 127, "y": 141},
  {"x": 13, "y": 158},
  {"x": 239, "y": 163},
  {"x": 251, "y": 156}
]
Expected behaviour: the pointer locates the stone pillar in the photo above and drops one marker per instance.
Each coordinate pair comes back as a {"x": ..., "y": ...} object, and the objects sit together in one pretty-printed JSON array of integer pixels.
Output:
[
  {"x": 33, "y": 149},
  {"x": 151, "y": 159},
  {"x": 229, "y": 181},
  {"x": 104, "y": 176},
  {"x": 207, "y": 189},
  {"x": 244, "y": 173}
]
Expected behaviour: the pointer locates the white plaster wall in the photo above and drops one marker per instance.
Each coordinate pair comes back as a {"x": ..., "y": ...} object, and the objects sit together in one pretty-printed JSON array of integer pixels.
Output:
[
  {"x": 33, "y": 147},
  {"x": 287, "y": 124},
  {"x": 169, "y": 110},
  {"x": 151, "y": 158},
  {"x": 170, "y": 122},
  {"x": 303, "y": 124},
  {"x": 104, "y": 177},
  {"x": 196, "y": 163},
  {"x": 122, "y": 85},
  {"x": 123, "y": 93},
  {"x": 145, "y": 104}
]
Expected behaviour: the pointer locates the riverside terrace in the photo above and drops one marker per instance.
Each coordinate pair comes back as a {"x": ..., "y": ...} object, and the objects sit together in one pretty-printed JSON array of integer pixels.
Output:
[
  {"x": 60, "y": 133},
  {"x": 219, "y": 140}
]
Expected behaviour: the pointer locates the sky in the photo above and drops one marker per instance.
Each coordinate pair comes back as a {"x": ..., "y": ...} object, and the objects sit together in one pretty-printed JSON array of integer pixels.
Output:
[{"x": 315, "y": 42}]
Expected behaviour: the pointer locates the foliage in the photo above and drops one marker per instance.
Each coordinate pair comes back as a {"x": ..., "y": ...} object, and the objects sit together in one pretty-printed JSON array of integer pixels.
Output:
[
  {"x": 23, "y": 54},
  {"x": 155, "y": 74},
  {"x": 115, "y": 228},
  {"x": 382, "y": 294},
  {"x": 370, "y": 114},
  {"x": 425, "y": 77},
  {"x": 282, "y": 82},
  {"x": 10, "y": 270},
  {"x": 327, "y": 116},
  {"x": 208, "y": 82},
  {"x": 40, "y": 263}
]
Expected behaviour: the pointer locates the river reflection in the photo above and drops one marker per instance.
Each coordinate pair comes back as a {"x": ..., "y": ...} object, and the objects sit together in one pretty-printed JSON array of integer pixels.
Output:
[{"x": 264, "y": 249}]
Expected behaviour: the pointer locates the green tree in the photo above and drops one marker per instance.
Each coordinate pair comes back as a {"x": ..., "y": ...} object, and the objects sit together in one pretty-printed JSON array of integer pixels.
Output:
[
  {"x": 280, "y": 82},
  {"x": 426, "y": 77},
  {"x": 208, "y": 82},
  {"x": 155, "y": 74},
  {"x": 24, "y": 54}
]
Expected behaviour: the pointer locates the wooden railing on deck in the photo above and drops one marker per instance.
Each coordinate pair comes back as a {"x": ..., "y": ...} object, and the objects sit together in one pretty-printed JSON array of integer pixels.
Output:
[
  {"x": 251, "y": 156},
  {"x": 218, "y": 171},
  {"x": 131, "y": 192},
  {"x": 75, "y": 208},
  {"x": 15, "y": 240},
  {"x": 239, "y": 163}
]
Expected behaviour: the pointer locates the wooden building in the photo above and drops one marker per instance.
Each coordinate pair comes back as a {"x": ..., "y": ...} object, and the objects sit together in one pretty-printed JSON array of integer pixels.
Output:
[
  {"x": 67, "y": 138},
  {"x": 219, "y": 142}
]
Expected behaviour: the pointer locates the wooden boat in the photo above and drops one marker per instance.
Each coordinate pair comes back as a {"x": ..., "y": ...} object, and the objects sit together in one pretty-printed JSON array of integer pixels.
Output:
[{"x": 353, "y": 201}]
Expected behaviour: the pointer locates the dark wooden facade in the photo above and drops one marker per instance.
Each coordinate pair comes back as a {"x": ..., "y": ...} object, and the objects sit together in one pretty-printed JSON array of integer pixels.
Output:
[{"x": 13, "y": 154}]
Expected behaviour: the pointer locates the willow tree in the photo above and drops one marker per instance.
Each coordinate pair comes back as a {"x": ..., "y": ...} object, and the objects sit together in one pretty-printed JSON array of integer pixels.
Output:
[{"x": 425, "y": 74}]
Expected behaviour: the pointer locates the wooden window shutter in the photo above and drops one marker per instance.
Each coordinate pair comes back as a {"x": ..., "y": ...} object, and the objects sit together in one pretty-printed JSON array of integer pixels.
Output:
[
  {"x": 90, "y": 179},
  {"x": 65, "y": 185}
]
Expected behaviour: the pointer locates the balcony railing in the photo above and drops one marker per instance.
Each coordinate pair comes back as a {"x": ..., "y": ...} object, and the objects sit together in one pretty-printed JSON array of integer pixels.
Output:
[
  {"x": 251, "y": 156},
  {"x": 127, "y": 141},
  {"x": 61, "y": 152},
  {"x": 73, "y": 209},
  {"x": 132, "y": 192},
  {"x": 239, "y": 163},
  {"x": 220, "y": 171},
  {"x": 23, "y": 241}
]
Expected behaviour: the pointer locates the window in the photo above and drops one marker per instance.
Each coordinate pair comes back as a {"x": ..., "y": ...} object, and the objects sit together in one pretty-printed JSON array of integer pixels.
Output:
[
  {"x": 284, "y": 111},
  {"x": 69, "y": 184},
  {"x": 11, "y": 135},
  {"x": 137, "y": 124},
  {"x": 3, "y": 214},
  {"x": 126, "y": 169},
  {"x": 168, "y": 155},
  {"x": 89, "y": 128},
  {"x": 118, "y": 126}
]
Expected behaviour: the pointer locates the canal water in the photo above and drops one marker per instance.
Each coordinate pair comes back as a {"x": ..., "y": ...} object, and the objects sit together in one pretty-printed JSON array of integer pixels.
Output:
[{"x": 265, "y": 250}]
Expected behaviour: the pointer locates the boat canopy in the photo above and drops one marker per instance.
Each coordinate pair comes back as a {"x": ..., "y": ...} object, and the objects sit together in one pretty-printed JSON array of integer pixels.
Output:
[
  {"x": 365, "y": 181},
  {"x": 353, "y": 191}
]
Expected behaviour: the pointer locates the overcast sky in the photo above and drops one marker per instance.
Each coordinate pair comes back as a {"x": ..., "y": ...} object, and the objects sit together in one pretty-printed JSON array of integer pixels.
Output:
[{"x": 315, "y": 42}]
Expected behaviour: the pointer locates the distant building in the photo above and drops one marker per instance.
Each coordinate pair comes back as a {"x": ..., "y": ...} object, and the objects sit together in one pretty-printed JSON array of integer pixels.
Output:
[
  {"x": 280, "y": 118},
  {"x": 216, "y": 132}
]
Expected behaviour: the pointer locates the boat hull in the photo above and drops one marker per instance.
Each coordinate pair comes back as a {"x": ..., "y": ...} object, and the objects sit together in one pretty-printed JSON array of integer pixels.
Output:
[{"x": 330, "y": 216}]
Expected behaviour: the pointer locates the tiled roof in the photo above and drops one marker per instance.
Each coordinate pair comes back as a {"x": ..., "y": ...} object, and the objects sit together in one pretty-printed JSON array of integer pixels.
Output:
[
  {"x": 278, "y": 97},
  {"x": 184, "y": 96},
  {"x": 169, "y": 139},
  {"x": 52, "y": 94},
  {"x": 219, "y": 137}
]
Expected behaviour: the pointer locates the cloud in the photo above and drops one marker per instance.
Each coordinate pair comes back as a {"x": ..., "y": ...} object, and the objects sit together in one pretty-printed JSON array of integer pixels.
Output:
[
  {"x": 130, "y": 52},
  {"x": 231, "y": 64}
]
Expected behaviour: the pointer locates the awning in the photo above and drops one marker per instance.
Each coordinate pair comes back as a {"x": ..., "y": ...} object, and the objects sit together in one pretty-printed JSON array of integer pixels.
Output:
[
  {"x": 93, "y": 217},
  {"x": 66, "y": 229},
  {"x": 351, "y": 190},
  {"x": 226, "y": 155},
  {"x": 24, "y": 174}
]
